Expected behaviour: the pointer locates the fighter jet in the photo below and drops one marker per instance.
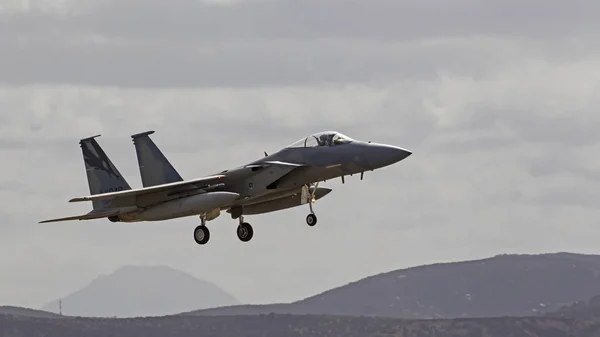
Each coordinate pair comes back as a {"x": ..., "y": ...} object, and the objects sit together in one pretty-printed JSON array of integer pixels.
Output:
[{"x": 288, "y": 178}]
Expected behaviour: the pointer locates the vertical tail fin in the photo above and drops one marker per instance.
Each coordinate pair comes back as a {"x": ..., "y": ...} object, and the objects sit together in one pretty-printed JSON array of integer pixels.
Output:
[
  {"x": 155, "y": 169},
  {"x": 102, "y": 175}
]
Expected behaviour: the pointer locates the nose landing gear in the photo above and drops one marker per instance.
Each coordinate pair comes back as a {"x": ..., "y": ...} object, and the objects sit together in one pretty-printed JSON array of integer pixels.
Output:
[{"x": 311, "y": 219}]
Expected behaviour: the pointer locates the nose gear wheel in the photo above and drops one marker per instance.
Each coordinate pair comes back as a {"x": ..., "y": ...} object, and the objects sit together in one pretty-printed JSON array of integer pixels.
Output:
[{"x": 311, "y": 220}]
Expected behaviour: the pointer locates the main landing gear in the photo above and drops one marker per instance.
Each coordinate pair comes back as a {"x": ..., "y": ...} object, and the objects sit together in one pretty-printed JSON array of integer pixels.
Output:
[
  {"x": 201, "y": 233},
  {"x": 244, "y": 230}
]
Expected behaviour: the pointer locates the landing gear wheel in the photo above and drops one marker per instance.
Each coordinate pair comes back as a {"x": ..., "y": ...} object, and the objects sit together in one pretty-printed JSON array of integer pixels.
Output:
[
  {"x": 245, "y": 232},
  {"x": 201, "y": 235},
  {"x": 311, "y": 219}
]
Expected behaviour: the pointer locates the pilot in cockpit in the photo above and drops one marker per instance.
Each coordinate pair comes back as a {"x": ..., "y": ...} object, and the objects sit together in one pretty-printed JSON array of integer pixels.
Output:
[{"x": 325, "y": 140}]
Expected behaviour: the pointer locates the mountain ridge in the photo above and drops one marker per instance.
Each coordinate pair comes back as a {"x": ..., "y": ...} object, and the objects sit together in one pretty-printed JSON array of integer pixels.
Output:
[
  {"x": 535, "y": 285},
  {"x": 415, "y": 292},
  {"x": 142, "y": 290}
]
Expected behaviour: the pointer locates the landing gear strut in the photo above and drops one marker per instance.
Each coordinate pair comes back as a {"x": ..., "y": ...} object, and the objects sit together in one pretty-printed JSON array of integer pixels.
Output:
[
  {"x": 244, "y": 230},
  {"x": 311, "y": 219},
  {"x": 201, "y": 233}
]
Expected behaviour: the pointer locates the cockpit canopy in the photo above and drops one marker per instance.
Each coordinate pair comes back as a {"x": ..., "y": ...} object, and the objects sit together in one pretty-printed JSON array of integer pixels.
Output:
[{"x": 326, "y": 138}]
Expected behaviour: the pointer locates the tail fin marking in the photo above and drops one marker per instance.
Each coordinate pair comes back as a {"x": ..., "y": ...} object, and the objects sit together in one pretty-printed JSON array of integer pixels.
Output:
[{"x": 102, "y": 175}]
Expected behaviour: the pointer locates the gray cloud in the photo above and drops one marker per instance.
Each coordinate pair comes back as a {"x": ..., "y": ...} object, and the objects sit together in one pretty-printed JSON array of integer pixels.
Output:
[
  {"x": 11, "y": 186},
  {"x": 274, "y": 42},
  {"x": 565, "y": 196},
  {"x": 317, "y": 19},
  {"x": 237, "y": 63}
]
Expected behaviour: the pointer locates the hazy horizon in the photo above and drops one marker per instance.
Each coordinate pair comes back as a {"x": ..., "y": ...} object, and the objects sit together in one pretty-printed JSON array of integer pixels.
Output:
[{"x": 497, "y": 101}]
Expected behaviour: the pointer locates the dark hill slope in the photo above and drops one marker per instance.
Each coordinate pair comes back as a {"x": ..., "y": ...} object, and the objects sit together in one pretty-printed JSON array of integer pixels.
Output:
[
  {"x": 579, "y": 310},
  {"x": 20, "y": 311},
  {"x": 292, "y": 326},
  {"x": 504, "y": 285}
]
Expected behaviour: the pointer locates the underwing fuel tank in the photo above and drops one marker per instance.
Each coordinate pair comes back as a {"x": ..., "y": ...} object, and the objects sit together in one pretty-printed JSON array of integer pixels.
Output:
[
  {"x": 282, "y": 203},
  {"x": 192, "y": 205}
]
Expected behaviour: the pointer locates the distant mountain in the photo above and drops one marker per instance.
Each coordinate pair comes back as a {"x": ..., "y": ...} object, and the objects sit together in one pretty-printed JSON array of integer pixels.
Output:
[
  {"x": 133, "y": 291},
  {"x": 504, "y": 285},
  {"x": 20, "y": 311}
]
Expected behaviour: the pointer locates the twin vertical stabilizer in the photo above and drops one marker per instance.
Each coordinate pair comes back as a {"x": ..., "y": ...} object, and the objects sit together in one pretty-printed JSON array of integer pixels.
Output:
[
  {"x": 155, "y": 169},
  {"x": 102, "y": 175}
]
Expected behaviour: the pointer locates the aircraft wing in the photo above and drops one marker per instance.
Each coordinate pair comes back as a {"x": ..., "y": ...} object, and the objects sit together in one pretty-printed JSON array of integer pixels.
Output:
[
  {"x": 88, "y": 216},
  {"x": 174, "y": 187}
]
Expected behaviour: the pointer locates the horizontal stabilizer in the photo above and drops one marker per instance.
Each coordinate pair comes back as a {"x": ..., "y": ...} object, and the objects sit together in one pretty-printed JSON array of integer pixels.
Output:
[
  {"x": 88, "y": 216},
  {"x": 194, "y": 183}
]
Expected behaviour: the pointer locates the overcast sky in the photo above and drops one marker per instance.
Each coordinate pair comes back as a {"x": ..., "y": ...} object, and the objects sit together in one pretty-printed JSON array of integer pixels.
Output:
[{"x": 498, "y": 100}]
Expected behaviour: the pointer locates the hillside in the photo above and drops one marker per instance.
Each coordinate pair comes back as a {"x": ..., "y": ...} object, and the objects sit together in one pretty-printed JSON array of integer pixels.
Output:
[
  {"x": 20, "y": 311},
  {"x": 504, "y": 285},
  {"x": 142, "y": 291},
  {"x": 580, "y": 309},
  {"x": 292, "y": 326}
]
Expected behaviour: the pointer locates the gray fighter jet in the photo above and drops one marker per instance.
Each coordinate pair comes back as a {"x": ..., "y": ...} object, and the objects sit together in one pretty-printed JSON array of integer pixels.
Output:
[{"x": 285, "y": 179}]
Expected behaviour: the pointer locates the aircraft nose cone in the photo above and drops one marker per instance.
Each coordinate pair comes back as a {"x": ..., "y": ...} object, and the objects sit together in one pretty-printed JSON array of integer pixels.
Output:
[
  {"x": 394, "y": 154},
  {"x": 400, "y": 153},
  {"x": 385, "y": 155}
]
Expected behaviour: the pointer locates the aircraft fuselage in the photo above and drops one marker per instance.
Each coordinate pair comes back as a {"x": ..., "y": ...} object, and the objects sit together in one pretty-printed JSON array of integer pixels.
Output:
[{"x": 315, "y": 164}]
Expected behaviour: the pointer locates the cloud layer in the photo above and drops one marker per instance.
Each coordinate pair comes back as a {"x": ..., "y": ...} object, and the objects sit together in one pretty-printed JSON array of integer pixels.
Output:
[{"x": 274, "y": 42}]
